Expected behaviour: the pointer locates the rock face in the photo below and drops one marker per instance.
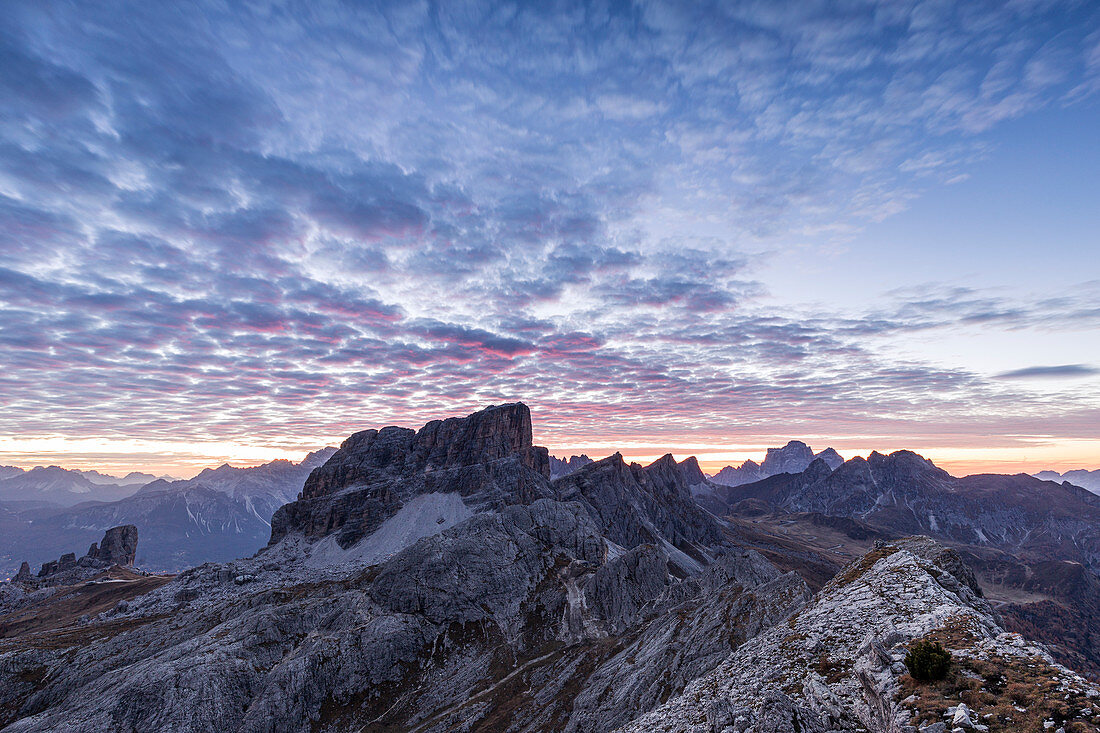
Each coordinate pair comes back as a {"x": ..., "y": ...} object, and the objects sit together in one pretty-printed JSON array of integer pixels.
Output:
[
  {"x": 653, "y": 505},
  {"x": 487, "y": 458},
  {"x": 493, "y": 434},
  {"x": 118, "y": 547},
  {"x": 791, "y": 458}
]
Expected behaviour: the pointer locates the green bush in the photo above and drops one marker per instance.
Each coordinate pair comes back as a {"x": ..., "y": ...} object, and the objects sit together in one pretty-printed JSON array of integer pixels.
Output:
[{"x": 928, "y": 661}]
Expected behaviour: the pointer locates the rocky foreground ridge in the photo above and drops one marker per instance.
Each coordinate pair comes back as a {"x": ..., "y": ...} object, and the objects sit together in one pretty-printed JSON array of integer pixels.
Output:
[
  {"x": 439, "y": 580},
  {"x": 837, "y": 664}
]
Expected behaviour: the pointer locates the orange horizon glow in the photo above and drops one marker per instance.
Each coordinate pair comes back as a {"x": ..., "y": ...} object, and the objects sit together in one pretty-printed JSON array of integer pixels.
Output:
[{"x": 185, "y": 460}]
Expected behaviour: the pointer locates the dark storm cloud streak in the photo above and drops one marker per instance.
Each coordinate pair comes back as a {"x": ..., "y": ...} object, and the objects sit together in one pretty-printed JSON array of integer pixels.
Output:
[{"x": 1063, "y": 371}]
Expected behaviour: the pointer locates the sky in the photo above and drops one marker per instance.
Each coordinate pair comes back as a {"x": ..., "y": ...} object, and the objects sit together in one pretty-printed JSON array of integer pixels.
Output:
[{"x": 242, "y": 230}]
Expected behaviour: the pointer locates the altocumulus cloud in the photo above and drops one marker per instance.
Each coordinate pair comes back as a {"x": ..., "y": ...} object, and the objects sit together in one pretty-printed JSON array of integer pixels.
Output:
[{"x": 291, "y": 218}]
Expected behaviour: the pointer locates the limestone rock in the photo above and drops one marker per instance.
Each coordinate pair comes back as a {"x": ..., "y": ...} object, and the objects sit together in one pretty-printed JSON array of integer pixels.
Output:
[
  {"x": 486, "y": 457},
  {"x": 834, "y": 665},
  {"x": 118, "y": 547},
  {"x": 794, "y": 457}
]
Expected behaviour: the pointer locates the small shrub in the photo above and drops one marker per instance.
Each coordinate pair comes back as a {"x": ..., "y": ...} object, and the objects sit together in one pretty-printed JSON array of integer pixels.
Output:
[{"x": 928, "y": 661}]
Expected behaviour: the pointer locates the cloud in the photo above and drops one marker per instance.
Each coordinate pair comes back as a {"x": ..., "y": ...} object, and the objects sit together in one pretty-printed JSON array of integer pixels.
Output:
[
  {"x": 292, "y": 221},
  {"x": 1064, "y": 371}
]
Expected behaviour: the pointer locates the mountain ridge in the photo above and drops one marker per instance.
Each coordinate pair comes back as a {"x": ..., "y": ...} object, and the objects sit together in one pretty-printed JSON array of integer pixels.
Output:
[
  {"x": 438, "y": 579},
  {"x": 794, "y": 457}
]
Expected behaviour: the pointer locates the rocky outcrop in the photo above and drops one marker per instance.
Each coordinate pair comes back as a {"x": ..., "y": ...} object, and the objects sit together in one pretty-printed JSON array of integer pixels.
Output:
[
  {"x": 490, "y": 435},
  {"x": 118, "y": 547},
  {"x": 634, "y": 506}
]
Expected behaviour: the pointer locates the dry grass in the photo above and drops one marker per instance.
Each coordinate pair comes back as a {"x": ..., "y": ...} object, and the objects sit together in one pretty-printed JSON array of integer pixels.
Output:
[
  {"x": 1009, "y": 694},
  {"x": 833, "y": 670},
  {"x": 56, "y": 621},
  {"x": 865, "y": 563}
]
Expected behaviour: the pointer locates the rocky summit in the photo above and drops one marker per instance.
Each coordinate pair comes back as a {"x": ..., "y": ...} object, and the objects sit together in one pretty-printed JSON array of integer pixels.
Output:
[
  {"x": 440, "y": 580},
  {"x": 794, "y": 457}
]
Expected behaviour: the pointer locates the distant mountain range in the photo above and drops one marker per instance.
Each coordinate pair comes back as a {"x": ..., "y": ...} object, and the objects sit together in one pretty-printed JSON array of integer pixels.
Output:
[
  {"x": 220, "y": 514},
  {"x": 794, "y": 457},
  {"x": 439, "y": 579},
  {"x": 564, "y": 466},
  {"x": 134, "y": 477},
  {"x": 64, "y": 486},
  {"x": 1085, "y": 479}
]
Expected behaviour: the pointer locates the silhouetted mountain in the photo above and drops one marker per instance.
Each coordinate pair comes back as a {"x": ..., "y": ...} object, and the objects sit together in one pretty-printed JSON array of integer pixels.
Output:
[
  {"x": 831, "y": 457},
  {"x": 1080, "y": 477},
  {"x": 794, "y": 457},
  {"x": 746, "y": 473},
  {"x": 9, "y": 471},
  {"x": 560, "y": 467},
  {"x": 134, "y": 477},
  {"x": 905, "y": 493}
]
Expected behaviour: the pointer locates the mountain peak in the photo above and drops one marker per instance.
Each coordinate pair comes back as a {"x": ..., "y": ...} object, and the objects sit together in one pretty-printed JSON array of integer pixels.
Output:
[
  {"x": 487, "y": 458},
  {"x": 490, "y": 434},
  {"x": 564, "y": 466},
  {"x": 683, "y": 474},
  {"x": 831, "y": 457},
  {"x": 794, "y": 457}
]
